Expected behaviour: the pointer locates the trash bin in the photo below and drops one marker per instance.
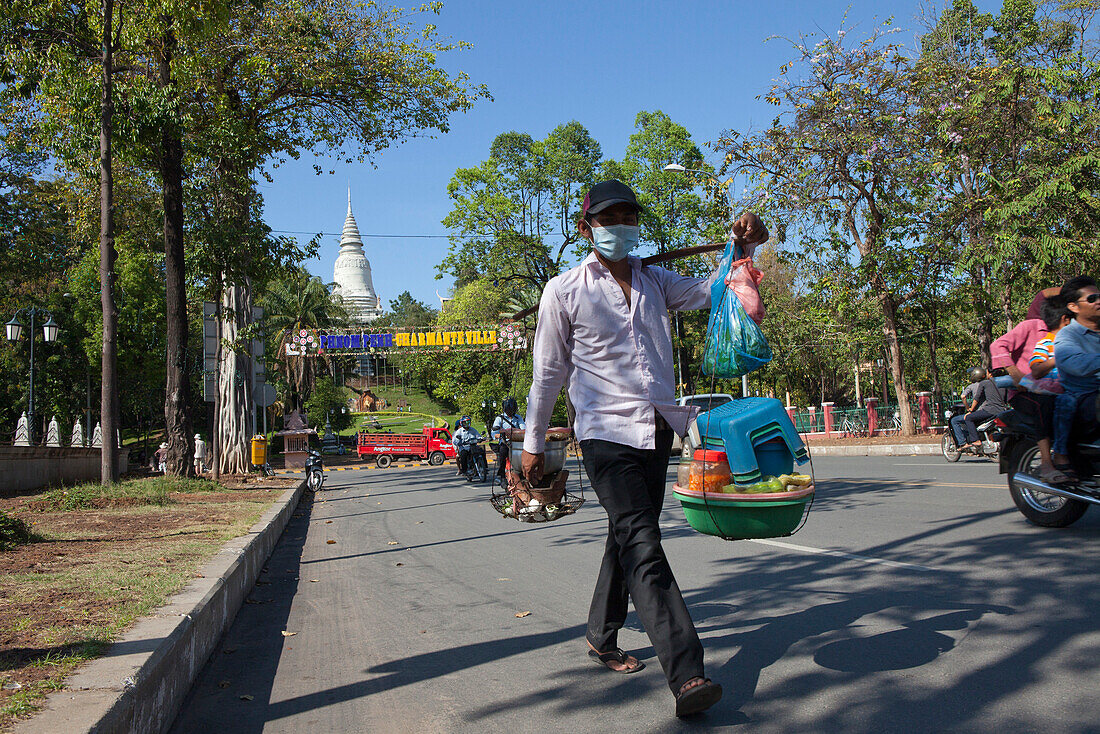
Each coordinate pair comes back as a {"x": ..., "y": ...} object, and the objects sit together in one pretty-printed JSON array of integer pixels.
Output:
[{"x": 259, "y": 450}]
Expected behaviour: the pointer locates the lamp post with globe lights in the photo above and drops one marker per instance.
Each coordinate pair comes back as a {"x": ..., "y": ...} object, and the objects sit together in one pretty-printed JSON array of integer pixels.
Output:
[{"x": 14, "y": 330}]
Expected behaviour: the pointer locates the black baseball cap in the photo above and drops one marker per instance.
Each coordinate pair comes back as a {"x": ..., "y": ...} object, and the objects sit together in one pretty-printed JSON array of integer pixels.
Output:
[{"x": 607, "y": 193}]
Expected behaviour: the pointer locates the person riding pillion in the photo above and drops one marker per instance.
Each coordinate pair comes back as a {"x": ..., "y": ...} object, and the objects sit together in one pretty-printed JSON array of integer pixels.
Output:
[
  {"x": 603, "y": 327},
  {"x": 509, "y": 420}
]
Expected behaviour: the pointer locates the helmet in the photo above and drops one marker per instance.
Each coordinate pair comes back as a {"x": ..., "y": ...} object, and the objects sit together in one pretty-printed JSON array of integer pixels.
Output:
[
  {"x": 510, "y": 405},
  {"x": 977, "y": 374},
  {"x": 464, "y": 421}
]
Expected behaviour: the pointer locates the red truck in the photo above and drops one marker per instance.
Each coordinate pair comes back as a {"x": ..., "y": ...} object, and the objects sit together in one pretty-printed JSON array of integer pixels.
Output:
[{"x": 433, "y": 444}]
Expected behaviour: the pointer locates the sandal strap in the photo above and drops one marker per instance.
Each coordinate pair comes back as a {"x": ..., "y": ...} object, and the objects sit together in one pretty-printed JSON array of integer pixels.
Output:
[{"x": 618, "y": 655}]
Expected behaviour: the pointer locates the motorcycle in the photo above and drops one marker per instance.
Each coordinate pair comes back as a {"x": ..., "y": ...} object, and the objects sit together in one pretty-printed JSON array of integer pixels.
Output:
[
  {"x": 315, "y": 470},
  {"x": 477, "y": 468},
  {"x": 1045, "y": 504},
  {"x": 950, "y": 447}
]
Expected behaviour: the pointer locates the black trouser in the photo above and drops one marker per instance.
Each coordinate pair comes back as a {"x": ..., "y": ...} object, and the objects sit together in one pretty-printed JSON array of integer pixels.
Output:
[
  {"x": 502, "y": 458},
  {"x": 630, "y": 484},
  {"x": 973, "y": 420},
  {"x": 463, "y": 460}
]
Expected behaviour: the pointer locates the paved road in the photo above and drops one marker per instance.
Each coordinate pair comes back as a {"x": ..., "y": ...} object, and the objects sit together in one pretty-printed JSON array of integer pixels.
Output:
[{"x": 915, "y": 599}]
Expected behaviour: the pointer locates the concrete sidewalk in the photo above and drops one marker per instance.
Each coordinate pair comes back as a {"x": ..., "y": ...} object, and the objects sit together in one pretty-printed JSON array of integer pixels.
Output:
[
  {"x": 141, "y": 680},
  {"x": 877, "y": 449}
]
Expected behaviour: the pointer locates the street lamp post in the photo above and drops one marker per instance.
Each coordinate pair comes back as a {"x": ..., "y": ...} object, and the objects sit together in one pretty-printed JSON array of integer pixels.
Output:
[
  {"x": 14, "y": 330},
  {"x": 677, "y": 168}
]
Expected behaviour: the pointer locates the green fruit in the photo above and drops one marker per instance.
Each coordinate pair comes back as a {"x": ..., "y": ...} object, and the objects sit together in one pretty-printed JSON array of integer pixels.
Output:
[{"x": 774, "y": 484}]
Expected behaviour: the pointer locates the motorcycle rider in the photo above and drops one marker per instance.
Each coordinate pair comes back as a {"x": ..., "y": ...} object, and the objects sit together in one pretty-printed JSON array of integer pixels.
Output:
[
  {"x": 1044, "y": 368},
  {"x": 509, "y": 420},
  {"x": 464, "y": 440},
  {"x": 976, "y": 375},
  {"x": 988, "y": 402},
  {"x": 1012, "y": 352},
  {"x": 1077, "y": 345}
]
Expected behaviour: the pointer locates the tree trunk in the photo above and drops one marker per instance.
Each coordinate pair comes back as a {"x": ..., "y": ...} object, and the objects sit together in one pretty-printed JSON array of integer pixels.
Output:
[
  {"x": 234, "y": 399},
  {"x": 985, "y": 339},
  {"x": 897, "y": 370},
  {"x": 215, "y": 444},
  {"x": 109, "y": 403},
  {"x": 933, "y": 358},
  {"x": 177, "y": 418}
]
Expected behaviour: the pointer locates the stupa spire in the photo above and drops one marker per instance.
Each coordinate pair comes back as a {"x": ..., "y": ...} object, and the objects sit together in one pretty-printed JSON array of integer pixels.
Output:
[{"x": 352, "y": 272}]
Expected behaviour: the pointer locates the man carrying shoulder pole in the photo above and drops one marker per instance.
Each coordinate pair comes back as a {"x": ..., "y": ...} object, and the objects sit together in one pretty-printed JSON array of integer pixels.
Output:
[{"x": 604, "y": 325}]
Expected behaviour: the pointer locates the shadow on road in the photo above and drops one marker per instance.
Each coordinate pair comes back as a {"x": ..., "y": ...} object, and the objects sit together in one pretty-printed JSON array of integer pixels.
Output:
[
  {"x": 837, "y": 635},
  {"x": 254, "y": 644}
]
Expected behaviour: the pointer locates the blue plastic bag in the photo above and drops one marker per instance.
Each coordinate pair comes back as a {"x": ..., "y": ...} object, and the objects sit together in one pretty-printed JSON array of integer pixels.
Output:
[{"x": 735, "y": 344}]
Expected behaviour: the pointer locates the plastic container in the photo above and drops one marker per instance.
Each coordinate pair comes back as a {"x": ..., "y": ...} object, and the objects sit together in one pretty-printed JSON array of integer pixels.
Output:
[
  {"x": 774, "y": 458},
  {"x": 683, "y": 470},
  {"x": 742, "y": 519},
  {"x": 709, "y": 471}
]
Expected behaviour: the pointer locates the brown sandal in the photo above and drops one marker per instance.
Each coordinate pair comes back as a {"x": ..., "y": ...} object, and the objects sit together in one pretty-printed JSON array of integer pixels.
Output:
[
  {"x": 616, "y": 656},
  {"x": 695, "y": 697}
]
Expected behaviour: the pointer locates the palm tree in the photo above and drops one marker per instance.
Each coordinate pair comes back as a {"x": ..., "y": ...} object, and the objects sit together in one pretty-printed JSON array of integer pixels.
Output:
[{"x": 297, "y": 301}]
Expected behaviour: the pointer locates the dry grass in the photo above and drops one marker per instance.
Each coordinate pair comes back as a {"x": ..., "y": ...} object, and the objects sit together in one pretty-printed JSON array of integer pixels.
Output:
[{"x": 103, "y": 560}]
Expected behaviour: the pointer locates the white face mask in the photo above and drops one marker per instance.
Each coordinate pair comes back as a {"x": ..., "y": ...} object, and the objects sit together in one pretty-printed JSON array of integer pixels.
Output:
[{"x": 615, "y": 242}]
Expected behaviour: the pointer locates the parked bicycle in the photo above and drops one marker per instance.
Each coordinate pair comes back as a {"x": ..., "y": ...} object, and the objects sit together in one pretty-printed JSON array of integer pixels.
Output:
[{"x": 853, "y": 427}]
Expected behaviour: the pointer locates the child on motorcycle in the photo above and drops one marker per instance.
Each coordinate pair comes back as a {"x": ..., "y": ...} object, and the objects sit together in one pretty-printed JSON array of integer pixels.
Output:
[{"x": 1043, "y": 367}]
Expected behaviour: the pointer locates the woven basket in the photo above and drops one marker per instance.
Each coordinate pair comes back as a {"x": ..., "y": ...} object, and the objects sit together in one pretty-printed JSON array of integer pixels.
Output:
[{"x": 549, "y": 490}]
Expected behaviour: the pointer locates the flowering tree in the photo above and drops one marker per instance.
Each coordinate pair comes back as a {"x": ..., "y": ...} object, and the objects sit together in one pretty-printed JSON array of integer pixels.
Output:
[{"x": 836, "y": 166}]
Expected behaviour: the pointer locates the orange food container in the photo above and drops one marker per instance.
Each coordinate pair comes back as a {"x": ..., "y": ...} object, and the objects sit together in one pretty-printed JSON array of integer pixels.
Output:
[{"x": 710, "y": 471}]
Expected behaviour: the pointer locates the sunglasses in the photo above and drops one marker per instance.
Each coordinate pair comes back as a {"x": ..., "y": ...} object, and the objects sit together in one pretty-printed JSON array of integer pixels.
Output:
[{"x": 1091, "y": 298}]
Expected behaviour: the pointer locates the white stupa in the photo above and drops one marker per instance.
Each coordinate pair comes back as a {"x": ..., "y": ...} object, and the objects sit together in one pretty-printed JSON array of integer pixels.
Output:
[{"x": 352, "y": 274}]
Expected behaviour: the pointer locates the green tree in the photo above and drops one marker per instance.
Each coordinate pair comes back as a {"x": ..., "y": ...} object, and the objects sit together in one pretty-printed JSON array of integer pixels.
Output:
[
  {"x": 328, "y": 404},
  {"x": 406, "y": 312},
  {"x": 295, "y": 301},
  {"x": 514, "y": 216},
  {"x": 836, "y": 166}
]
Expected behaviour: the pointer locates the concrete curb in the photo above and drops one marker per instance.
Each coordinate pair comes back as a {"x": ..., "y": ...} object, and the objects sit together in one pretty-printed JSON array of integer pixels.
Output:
[
  {"x": 141, "y": 680},
  {"x": 877, "y": 449}
]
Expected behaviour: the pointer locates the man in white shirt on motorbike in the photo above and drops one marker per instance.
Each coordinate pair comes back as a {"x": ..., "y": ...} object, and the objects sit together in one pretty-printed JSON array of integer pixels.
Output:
[{"x": 464, "y": 440}]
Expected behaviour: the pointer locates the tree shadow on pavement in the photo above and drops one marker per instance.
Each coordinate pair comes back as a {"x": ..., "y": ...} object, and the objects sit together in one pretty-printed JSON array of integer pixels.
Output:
[{"x": 245, "y": 660}]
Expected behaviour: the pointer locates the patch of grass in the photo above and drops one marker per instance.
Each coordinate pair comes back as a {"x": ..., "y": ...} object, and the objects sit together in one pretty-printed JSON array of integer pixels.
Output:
[
  {"x": 28, "y": 699},
  {"x": 14, "y": 531},
  {"x": 104, "y": 592},
  {"x": 151, "y": 491}
]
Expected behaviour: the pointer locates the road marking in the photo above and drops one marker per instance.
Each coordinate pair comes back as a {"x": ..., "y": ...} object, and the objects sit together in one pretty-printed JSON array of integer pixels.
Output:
[
  {"x": 842, "y": 554},
  {"x": 913, "y": 481}
]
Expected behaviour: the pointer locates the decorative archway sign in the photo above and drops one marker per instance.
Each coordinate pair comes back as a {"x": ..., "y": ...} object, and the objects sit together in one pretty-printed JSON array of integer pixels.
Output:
[{"x": 321, "y": 343}]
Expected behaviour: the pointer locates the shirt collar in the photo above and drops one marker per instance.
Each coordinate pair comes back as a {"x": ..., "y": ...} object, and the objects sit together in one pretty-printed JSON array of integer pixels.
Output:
[{"x": 593, "y": 262}]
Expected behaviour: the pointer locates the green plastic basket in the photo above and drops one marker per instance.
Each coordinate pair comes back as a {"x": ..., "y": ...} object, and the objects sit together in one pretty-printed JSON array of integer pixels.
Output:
[{"x": 743, "y": 520}]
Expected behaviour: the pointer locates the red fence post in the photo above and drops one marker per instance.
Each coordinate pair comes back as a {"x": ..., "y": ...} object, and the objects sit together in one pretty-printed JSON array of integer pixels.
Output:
[
  {"x": 827, "y": 414},
  {"x": 872, "y": 416},
  {"x": 790, "y": 413},
  {"x": 924, "y": 400}
]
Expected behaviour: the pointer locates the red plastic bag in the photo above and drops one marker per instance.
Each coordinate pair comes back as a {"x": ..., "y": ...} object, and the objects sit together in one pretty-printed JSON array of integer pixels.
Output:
[{"x": 743, "y": 279}]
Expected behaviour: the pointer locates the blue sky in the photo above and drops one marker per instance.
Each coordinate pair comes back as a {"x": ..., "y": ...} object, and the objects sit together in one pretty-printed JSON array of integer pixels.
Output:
[{"x": 703, "y": 62}]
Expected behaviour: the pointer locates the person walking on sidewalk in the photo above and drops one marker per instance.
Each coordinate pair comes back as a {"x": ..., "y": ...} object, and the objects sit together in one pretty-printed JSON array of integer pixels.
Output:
[{"x": 604, "y": 327}]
